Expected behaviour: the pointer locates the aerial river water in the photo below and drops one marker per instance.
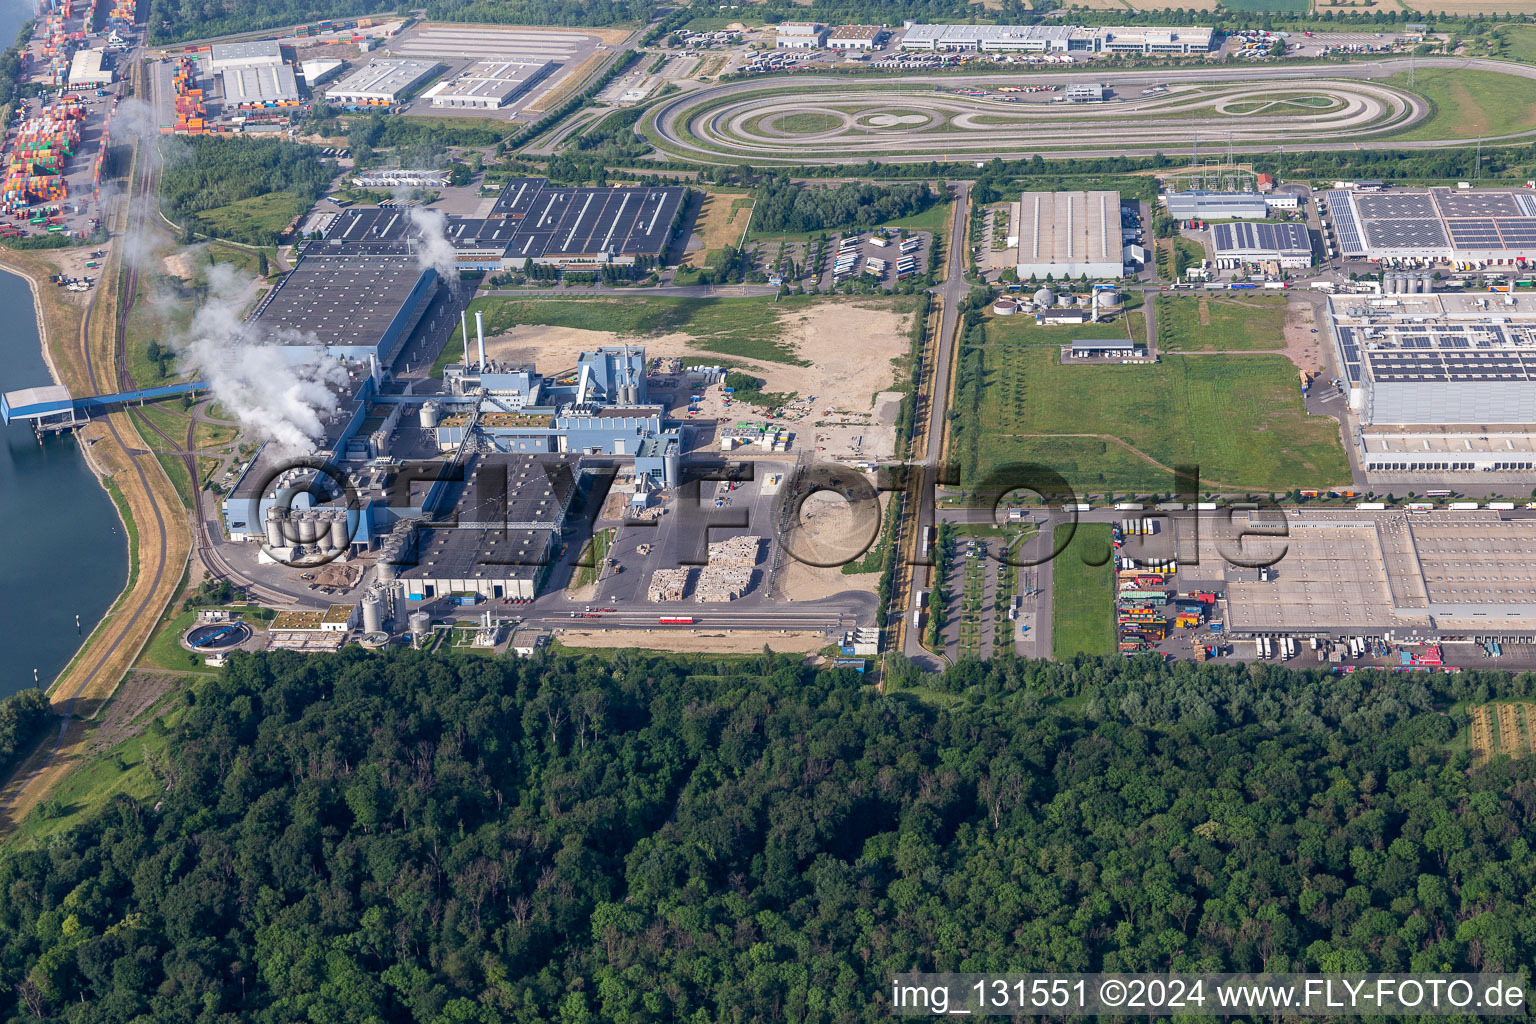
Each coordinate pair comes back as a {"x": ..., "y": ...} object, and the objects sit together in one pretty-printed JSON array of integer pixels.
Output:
[{"x": 62, "y": 547}]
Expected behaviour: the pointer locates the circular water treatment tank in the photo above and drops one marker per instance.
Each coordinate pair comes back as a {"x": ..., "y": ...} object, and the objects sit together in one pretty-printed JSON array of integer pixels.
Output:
[
  {"x": 1045, "y": 297},
  {"x": 1109, "y": 299},
  {"x": 1005, "y": 307},
  {"x": 217, "y": 636},
  {"x": 373, "y": 641}
]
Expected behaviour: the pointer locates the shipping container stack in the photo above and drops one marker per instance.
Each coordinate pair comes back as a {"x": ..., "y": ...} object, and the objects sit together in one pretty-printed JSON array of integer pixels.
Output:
[
  {"x": 190, "y": 113},
  {"x": 37, "y": 151},
  {"x": 122, "y": 16}
]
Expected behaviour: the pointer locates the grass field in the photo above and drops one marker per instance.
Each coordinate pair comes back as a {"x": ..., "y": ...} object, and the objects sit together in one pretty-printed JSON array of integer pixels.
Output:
[
  {"x": 272, "y": 212},
  {"x": 805, "y": 123},
  {"x": 1519, "y": 43},
  {"x": 1469, "y": 104},
  {"x": 1199, "y": 323},
  {"x": 1239, "y": 418},
  {"x": 746, "y": 327},
  {"x": 1082, "y": 601}
]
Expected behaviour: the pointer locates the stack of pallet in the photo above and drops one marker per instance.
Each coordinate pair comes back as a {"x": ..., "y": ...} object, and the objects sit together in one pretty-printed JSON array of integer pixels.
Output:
[
  {"x": 729, "y": 572},
  {"x": 668, "y": 584}
]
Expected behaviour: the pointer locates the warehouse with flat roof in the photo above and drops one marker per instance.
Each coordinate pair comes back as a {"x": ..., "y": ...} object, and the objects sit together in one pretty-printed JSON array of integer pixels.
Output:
[
  {"x": 1442, "y": 383},
  {"x": 1289, "y": 246},
  {"x": 856, "y": 37},
  {"x": 1472, "y": 225},
  {"x": 801, "y": 35},
  {"x": 254, "y": 53},
  {"x": 88, "y": 70},
  {"x": 382, "y": 82},
  {"x": 506, "y": 515},
  {"x": 273, "y": 85},
  {"x": 488, "y": 84},
  {"x": 1056, "y": 39},
  {"x": 1201, "y": 205},
  {"x": 1069, "y": 234},
  {"x": 340, "y": 303}
]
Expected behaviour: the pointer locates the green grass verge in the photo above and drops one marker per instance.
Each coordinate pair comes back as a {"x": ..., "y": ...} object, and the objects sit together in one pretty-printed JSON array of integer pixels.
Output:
[
  {"x": 1239, "y": 418},
  {"x": 86, "y": 790},
  {"x": 1231, "y": 325},
  {"x": 591, "y": 559},
  {"x": 272, "y": 212},
  {"x": 1082, "y": 599},
  {"x": 1469, "y": 104}
]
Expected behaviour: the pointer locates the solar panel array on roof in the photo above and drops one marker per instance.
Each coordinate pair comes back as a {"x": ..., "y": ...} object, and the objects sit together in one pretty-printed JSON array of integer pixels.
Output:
[
  {"x": 1405, "y": 233},
  {"x": 1349, "y": 345},
  {"x": 533, "y": 219},
  {"x": 1250, "y": 237},
  {"x": 1469, "y": 221},
  {"x": 1341, "y": 206},
  {"x": 1395, "y": 205},
  {"x": 1469, "y": 203}
]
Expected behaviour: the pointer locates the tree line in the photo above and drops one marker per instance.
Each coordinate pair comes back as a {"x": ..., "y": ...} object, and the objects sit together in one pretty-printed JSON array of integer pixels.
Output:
[
  {"x": 781, "y": 205},
  {"x": 637, "y": 838},
  {"x": 212, "y": 172},
  {"x": 24, "y": 717}
]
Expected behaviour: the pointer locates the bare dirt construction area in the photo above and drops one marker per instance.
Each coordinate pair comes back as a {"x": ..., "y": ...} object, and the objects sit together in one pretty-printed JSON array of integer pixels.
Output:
[
  {"x": 1303, "y": 341},
  {"x": 826, "y": 532},
  {"x": 722, "y": 221},
  {"x": 851, "y": 348},
  {"x": 745, "y": 641}
]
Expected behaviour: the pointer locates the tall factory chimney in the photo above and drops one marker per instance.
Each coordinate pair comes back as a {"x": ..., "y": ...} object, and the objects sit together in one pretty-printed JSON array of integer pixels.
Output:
[{"x": 480, "y": 336}]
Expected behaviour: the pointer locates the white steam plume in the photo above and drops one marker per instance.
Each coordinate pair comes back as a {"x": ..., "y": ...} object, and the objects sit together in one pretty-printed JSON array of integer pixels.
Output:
[
  {"x": 247, "y": 372},
  {"x": 433, "y": 250}
]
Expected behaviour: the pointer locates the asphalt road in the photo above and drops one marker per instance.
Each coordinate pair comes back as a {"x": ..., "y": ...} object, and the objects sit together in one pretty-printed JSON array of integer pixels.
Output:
[{"x": 952, "y": 292}]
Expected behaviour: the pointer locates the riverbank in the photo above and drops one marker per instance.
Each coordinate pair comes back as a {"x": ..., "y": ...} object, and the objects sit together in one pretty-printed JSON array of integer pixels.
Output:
[{"x": 158, "y": 519}]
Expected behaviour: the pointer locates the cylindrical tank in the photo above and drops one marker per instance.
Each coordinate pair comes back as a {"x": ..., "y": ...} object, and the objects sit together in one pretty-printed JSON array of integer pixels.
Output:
[
  {"x": 339, "y": 529},
  {"x": 387, "y": 567},
  {"x": 309, "y": 529},
  {"x": 1005, "y": 307},
  {"x": 421, "y": 623},
  {"x": 275, "y": 529},
  {"x": 373, "y": 611},
  {"x": 1045, "y": 297},
  {"x": 431, "y": 413},
  {"x": 1109, "y": 299},
  {"x": 1064, "y": 300}
]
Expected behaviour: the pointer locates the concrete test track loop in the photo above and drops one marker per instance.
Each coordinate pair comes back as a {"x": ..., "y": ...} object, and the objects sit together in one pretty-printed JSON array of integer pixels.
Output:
[{"x": 825, "y": 119}]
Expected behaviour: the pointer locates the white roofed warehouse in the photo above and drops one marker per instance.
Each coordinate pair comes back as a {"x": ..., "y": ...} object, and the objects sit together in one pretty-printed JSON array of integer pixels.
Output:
[
  {"x": 382, "y": 82},
  {"x": 801, "y": 35},
  {"x": 488, "y": 84},
  {"x": 256, "y": 53},
  {"x": 1069, "y": 234}
]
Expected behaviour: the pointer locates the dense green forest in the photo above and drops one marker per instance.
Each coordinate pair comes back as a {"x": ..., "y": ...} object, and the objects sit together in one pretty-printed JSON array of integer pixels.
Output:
[
  {"x": 781, "y": 205},
  {"x": 22, "y": 717},
  {"x": 171, "y": 20},
  {"x": 205, "y": 173},
  {"x": 364, "y": 838}
]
